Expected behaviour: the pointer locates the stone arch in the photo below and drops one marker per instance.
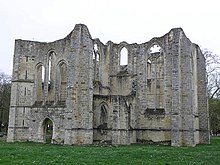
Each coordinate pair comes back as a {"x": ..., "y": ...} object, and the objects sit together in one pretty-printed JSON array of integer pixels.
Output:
[
  {"x": 39, "y": 82},
  {"x": 47, "y": 128},
  {"x": 62, "y": 82}
]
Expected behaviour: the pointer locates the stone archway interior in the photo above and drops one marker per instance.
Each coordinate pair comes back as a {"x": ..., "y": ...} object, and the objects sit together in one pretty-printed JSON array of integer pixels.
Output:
[{"x": 47, "y": 130}]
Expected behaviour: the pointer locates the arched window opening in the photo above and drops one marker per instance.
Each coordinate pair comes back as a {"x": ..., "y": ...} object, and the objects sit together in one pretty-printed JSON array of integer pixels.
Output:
[
  {"x": 96, "y": 61},
  {"x": 155, "y": 48},
  {"x": 96, "y": 55},
  {"x": 124, "y": 56},
  {"x": 40, "y": 74},
  {"x": 49, "y": 68},
  {"x": 63, "y": 82},
  {"x": 155, "y": 78},
  {"x": 47, "y": 130},
  {"x": 95, "y": 47},
  {"x": 50, "y": 71},
  {"x": 104, "y": 115},
  {"x": 50, "y": 61}
]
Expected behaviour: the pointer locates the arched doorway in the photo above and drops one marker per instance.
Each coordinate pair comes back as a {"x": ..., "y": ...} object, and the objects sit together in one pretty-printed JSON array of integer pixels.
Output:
[{"x": 47, "y": 127}]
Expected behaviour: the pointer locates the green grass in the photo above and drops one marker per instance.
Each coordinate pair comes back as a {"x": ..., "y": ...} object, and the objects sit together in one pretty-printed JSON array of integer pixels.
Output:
[{"x": 34, "y": 153}]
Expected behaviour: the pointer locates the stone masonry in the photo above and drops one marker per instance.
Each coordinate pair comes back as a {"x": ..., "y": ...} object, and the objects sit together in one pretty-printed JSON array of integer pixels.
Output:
[{"x": 109, "y": 93}]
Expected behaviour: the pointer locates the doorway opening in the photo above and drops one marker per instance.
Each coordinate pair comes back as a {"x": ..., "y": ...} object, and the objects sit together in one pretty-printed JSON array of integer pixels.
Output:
[{"x": 47, "y": 130}]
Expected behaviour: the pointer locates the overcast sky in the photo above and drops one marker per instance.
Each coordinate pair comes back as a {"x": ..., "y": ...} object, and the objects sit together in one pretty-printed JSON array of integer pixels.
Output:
[{"x": 134, "y": 21}]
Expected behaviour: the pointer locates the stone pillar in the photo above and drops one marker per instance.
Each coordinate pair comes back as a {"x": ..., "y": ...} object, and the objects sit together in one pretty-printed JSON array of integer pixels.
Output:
[
  {"x": 141, "y": 92},
  {"x": 175, "y": 110},
  {"x": 79, "y": 116},
  {"x": 187, "y": 92}
]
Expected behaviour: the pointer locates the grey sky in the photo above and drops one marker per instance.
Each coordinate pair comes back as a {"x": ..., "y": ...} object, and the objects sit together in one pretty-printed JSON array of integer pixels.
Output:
[{"x": 117, "y": 20}]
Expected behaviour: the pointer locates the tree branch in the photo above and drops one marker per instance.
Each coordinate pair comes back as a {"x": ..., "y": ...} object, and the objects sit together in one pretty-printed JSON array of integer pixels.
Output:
[{"x": 214, "y": 93}]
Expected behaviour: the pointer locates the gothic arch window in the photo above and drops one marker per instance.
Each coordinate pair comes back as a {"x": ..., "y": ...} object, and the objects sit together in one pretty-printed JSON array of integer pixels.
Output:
[
  {"x": 42, "y": 71},
  {"x": 155, "y": 77},
  {"x": 124, "y": 56},
  {"x": 51, "y": 56},
  {"x": 103, "y": 115},
  {"x": 49, "y": 77},
  {"x": 49, "y": 68},
  {"x": 40, "y": 81},
  {"x": 62, "y": 84}
]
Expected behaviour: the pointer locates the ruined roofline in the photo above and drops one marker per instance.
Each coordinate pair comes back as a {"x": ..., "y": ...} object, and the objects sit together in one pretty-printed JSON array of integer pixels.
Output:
[
  {"x": 151, "y": 40},
  {"x": 77, "y": 26}
]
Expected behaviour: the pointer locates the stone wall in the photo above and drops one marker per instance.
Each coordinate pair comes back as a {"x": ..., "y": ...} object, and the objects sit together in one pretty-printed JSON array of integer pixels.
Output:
[{"x": 109, "y": 93}]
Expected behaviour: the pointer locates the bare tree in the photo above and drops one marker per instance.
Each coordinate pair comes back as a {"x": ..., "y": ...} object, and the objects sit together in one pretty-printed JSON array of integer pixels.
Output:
[
  {"x": 213, "y": 73},
  {"x": 5, "y": 94},
  {"x": 213, "y": 78}
]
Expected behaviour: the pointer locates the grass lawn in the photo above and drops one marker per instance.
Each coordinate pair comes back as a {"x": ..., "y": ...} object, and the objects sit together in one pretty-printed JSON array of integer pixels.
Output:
[{"x": 34, "y": 153}]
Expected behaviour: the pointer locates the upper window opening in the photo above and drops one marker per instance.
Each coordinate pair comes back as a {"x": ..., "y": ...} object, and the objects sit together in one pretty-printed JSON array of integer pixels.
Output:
[
  {"x": 96, "y": 55},
  {"x": 124, "y": 56},
  {"x": 93, "y": 56},
  {"x": 155, "y": 48},
  {"x": 49, "y": 67},
  {"x": 63, "y": 82},
  {"x": 42, "y": 73},
  {"x": 95, "y": 47}
]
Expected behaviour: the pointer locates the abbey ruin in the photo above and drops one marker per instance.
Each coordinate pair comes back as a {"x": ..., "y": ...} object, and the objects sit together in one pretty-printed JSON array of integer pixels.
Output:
[{"x": 109, "y": 93}]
